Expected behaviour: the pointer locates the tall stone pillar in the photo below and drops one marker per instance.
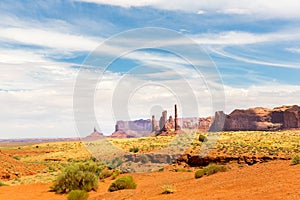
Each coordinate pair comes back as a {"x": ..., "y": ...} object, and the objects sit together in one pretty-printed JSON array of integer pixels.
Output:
[
  {"x": 177, "y": 127},
  {"x": 163, "y": 121},
  {"x": 153, "y": 123}
]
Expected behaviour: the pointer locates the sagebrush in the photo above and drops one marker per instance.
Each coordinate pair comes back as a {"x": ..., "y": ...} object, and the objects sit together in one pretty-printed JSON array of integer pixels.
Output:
[
  {"x": 78, "y": 176},
  {"x": 168, "y": 189},
  {"x": 2, "y": 184},
  {"x": 213, "y": 168},
  {"x": 295, "y": 160},
  {"x": 78, "y": 195},
  {"x": 125, "y": 182},
  {"x": 202, "y": 138},
  {"x": 199, "y": 173}
]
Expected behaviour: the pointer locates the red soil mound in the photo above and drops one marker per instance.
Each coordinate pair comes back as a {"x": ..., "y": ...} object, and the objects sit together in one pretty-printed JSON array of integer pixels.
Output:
[{"x": 11, "y": 168}]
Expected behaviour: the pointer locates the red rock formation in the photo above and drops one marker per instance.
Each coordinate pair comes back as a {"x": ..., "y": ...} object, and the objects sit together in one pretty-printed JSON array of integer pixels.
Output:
[
  {"x": 94, "y": 136},
  {"x": 121, "y": 134},
  {"x": 204, "y": 123},
  {"x": 261, "y": 119}
]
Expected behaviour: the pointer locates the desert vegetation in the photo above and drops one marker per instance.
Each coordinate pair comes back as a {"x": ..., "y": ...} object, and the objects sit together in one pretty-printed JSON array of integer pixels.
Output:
[
  {"x": 199, "y": 173},
  {"x": 2, "y": 184},
  {"x": 210, "y": 169},
  {"x": 168, "y": 189},
  {"x": 125, "y": 182},
  {"x": 295, "y": 160},
  {"x": 78, "y": 176},
  {"x": 252, "y": 143},
  {"x": 213, "y": 168},
  {"x": 78, "y": 195},
  {"x": 75, "y": 172}
]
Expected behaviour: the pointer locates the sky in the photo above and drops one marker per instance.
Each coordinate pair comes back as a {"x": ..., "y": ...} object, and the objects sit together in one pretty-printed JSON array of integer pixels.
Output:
[{"x": 251, "y": 49}]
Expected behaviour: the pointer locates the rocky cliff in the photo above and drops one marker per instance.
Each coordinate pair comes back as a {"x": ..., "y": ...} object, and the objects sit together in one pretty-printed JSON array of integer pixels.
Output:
[
  {"x": 136, "y": 128},
  {"x": 258, "y": 119}
]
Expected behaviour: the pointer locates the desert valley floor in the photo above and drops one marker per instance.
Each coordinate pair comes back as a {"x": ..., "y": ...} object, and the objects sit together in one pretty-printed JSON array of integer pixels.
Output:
[{"x": 265, "y": 172}]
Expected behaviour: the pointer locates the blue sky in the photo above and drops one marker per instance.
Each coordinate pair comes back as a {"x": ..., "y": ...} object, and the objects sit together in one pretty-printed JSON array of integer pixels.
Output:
[{"x": 255, "y": 46}]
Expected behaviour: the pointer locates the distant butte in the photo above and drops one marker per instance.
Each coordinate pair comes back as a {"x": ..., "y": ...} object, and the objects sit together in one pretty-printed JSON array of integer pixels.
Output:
[
  {"x": 94, "y": 136},
  {"x": 258, "y": 119}
]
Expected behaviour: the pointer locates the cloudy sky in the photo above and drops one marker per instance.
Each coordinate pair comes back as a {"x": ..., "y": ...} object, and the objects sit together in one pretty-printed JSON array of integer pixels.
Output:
[{"x": 253, "y": 46}]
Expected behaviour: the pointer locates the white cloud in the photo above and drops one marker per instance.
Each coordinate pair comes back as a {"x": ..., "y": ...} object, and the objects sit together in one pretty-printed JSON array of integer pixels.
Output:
[
  {"x": 244, "y": 38},
  {"x": 18, "y": 56},
  {"x": 45, "y": 108},
  {"x": 50, "y": 39},
  {"x": 200, "y": 12},
  {"x": 237, "y": 11},
  {"x": 268, "y": 95},
  {"x": 293, "y": 50},
  {"x": 261, "y": 8},
  {"x": 255, "y": 61}
]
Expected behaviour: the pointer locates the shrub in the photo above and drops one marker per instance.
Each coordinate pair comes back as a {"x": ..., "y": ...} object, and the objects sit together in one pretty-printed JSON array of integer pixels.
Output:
[
  {"x": 78, "y": 176},
  {"x": 295, "y": 160},
  {"x": 202, "y": 138},
  {"x": 168, "y": 189},
  {"x": 199, "y": 173},
  {"x": 213, "y": 168},
  {"x": 180, "y": 170},
  {"x": 78, "y": 195},
  {"x": 125, "y": 182},
  {"x": 134, "y": 149},
  {"x": 105, "y": 173},
  {"x": 161, "y": 169},
  {"x": 16, "y": 157},
  {"x": 115, "y": 174},
  {"x": 2, "y": 184}
]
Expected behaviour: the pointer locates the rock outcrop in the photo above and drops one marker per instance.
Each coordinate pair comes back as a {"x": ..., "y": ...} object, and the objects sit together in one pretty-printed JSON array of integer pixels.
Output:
[
  {"x": 94, "y": 136},
  {"x": 123, "y": 134},
  {"x": 218, "y": 122},
  {"x": 258, "y": 119},
  {"x": 204, "y": 123},
  {"x": 136, "y": 128}
]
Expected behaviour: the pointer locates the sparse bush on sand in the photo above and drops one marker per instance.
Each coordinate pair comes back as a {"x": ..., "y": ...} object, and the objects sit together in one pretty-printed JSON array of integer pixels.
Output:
[
  {"x": 295, "y": 160},
  {"x": 105, "y": 173},
  {"x": 125, "y": 182},
  {"x": 134, "y": 149},
  {"x": 78, "y": 176},
  {"x": 213, "y": 168},
  {"x": 2, "y": 184},
  {"x": 199, "y": 173},
  {"x": 78, "y": 195},
  {"x": 202, "y": 138},
  {"x": 168, "y": 189}
]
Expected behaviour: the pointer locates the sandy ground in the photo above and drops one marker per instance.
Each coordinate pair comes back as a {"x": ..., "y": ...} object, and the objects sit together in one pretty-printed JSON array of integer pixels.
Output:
[{"x": 272, "y": 180}]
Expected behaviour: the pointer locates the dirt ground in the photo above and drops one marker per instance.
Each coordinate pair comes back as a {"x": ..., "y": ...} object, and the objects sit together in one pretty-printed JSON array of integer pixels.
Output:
[{"x": 272, "y": 180}]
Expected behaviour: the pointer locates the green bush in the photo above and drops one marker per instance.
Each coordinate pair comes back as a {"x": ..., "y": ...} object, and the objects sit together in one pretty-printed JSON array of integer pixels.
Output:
[
  {"x": 202, "y": 138},
  {"x": 199, "y": 173},
  {"x": 78, "y": 176},
  {"x": 161, "y": 169},
  {"x": 78, "y": 195},
  {"x": 105, "y": 173},
  {"x": 134, "y": 149},
  {"x": 295, "y": 160},
  {"x": 213, "y": 168},
  {"x": 16, "y": 157},
  {"x": 125, "y": 182},
  {"x": 180, "y": 170},
  {"x": 115, "y": 174}
]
